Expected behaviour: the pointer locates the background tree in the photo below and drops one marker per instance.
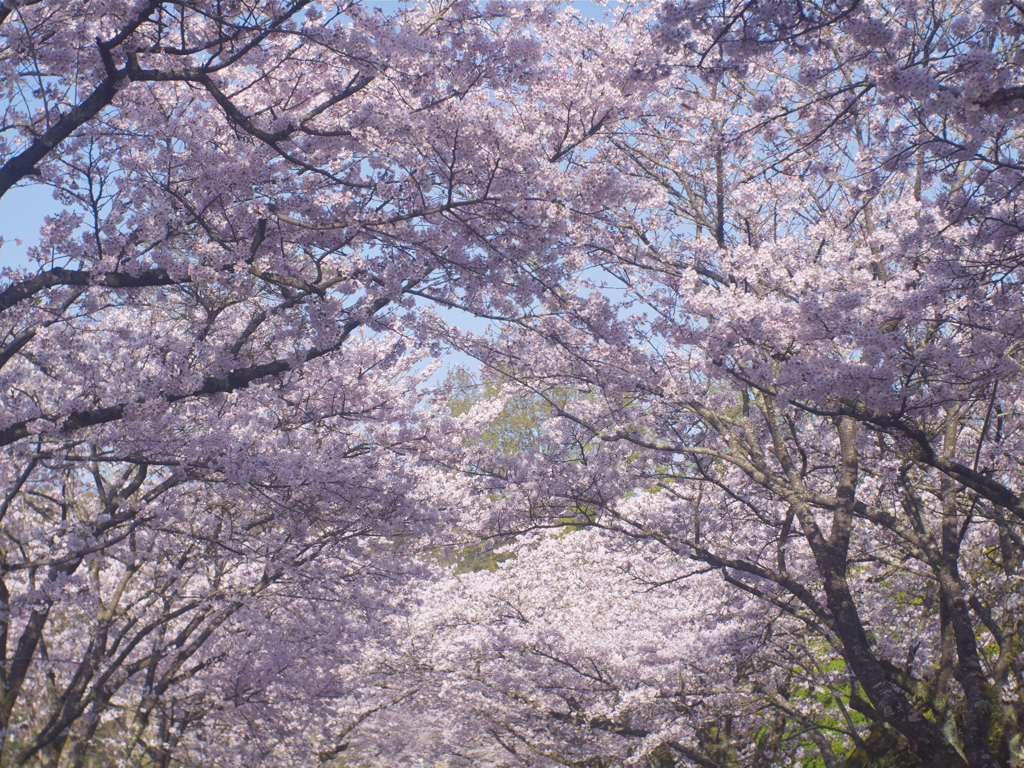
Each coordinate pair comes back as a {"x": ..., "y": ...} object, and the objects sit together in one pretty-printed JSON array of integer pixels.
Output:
[{"x": 587, "y": 649}]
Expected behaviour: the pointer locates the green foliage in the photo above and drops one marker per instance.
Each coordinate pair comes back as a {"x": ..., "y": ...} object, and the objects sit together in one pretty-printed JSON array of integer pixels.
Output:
[
  {"x": 518, "y": 427},
  {"x": 480, "y": 557}
]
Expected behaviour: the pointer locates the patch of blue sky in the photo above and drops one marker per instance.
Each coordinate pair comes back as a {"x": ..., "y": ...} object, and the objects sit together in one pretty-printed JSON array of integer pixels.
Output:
[{"x": 23, "y": 211}]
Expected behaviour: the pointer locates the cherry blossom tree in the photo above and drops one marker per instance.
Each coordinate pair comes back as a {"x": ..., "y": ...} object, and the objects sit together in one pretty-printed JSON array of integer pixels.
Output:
[
  {"x": 142, "y": 593},
  {"x": 210, "y": 374},
  {"x": 797, "y": 339},
  {"x": 759, "y": 261},
  {"x": 589, "y": 649}
]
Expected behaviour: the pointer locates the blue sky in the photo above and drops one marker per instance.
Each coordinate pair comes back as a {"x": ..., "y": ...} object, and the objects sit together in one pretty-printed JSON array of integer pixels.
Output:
[{"x": 22, "y": 212}]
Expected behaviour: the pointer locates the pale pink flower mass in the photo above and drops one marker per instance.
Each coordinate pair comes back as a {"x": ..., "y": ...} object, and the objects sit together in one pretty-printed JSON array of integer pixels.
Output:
[{"x": 734, "y": 477}]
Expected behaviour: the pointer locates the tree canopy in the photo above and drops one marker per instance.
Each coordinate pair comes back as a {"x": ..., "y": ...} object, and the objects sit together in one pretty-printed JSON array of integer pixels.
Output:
[{"x": 738, "y": 483}]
